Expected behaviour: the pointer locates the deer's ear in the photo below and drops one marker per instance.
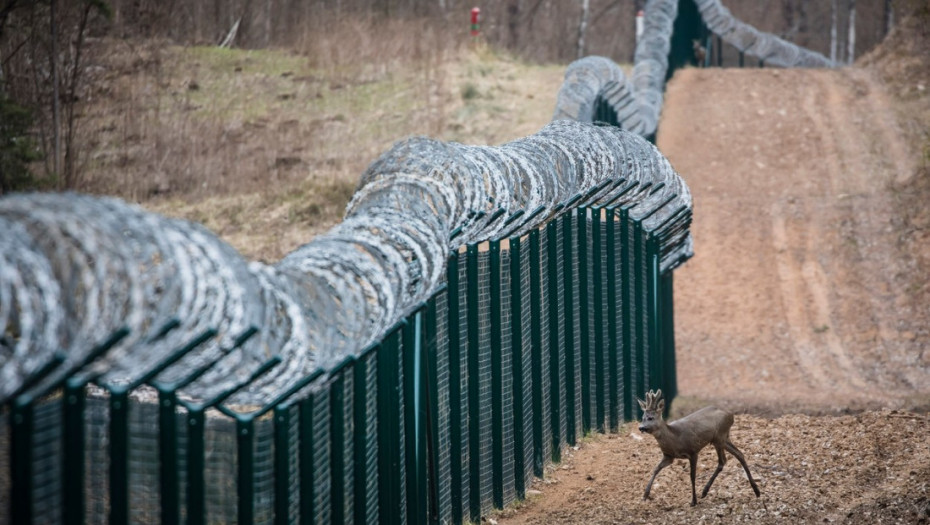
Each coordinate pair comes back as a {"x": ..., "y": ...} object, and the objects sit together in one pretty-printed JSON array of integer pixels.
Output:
[
  {"x": 661, "y": 407},
  {"x": 642, "y": 404}
]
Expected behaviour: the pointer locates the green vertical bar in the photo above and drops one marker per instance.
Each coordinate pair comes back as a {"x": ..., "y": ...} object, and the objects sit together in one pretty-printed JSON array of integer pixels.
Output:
[
  {"x": 516, "y": 347},
  {"x": 196, "y": 508},
  {"x": 668, "y": 322},
  {"x": 337, "y": 446},
  {"x": 568, "y": 274},
  {"x": 639, "y": 353},
  {"x": 415, "y": 460},
  {"x": 536, "y": 342},
  {"x": 360, "y": 423},
  {"x": 119, "y": 458},
  {"x": 455, "y": 389},
  {"x": 652, "y": 320},
  {"x": 584, "y": 320},
  {"x": 282, "y": 465},
  {"x": 430, "y": 355},
  {"x": 389, "y": 427},
  {"x": 245, "y": 439},
  {"x": 497, "y": 381},
  {"x": 474, "y": 408},
  {"x": 613, "y": 390},
  {"x": 627, "y": 315},
  {"x": 307, "y": 448},
  {"x": 552, "y": 274},
  {"x": 73, "y": 442},
  {"x": 741, "y": 59},
  {"x": 22, "y": 433},
  {"x": 597, "y": 286},
  {"x": 168, "y": 452}
]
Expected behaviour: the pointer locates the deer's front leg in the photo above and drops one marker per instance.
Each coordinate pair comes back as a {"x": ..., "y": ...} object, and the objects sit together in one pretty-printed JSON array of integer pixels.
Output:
[{"x": 666, "y": 461}]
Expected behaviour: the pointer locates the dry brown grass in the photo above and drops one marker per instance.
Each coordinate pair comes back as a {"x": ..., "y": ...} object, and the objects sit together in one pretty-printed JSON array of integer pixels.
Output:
[{"x": 265, "y": 147}]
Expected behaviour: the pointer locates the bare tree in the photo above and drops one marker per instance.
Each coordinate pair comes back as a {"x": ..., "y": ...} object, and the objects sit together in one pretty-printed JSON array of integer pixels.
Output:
[
  {"x": 583, "y": 25},
  {"x": 851, "y": 33},
  {"x": 833, "y": 21},
  {"x": 56, "y": 99},
  {"x": 889, "y": 15}
]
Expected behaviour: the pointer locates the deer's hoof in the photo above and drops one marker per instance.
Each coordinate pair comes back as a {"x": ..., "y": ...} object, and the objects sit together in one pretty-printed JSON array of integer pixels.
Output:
[{"x": 694, "y": 503}]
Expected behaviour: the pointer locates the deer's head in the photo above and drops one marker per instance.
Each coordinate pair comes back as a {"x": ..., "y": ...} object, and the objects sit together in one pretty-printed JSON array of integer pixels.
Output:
[{"x": 652, "y": 407}]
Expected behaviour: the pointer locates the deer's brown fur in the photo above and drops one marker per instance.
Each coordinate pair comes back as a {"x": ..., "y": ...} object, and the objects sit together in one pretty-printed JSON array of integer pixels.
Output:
[{"x": 684, "y": 438}]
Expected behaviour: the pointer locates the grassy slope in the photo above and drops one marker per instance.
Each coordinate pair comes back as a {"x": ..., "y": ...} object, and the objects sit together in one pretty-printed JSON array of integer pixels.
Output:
[{"x": 266, "y": 151}]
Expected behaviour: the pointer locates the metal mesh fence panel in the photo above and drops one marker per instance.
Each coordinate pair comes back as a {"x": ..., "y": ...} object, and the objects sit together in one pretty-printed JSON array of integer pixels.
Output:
[
  {"x": 485, "y": 472},
  {"x": 526, "y": 325},
  {"x": 444, "y": 422},
  {"x": 371, "y": 437},
  {"x": 591, "y": 329},
  {"x": 46, "y": 461},
  {"x": 463, "y": 386},
  {"x": 619, "y": 306},
  {"x": 546, "y": 382},
  {"x": 144, "y": 496},
  {"x": 603, "y": 380},
  {"x": 263, "y": 480},
  {"x": 221, "y": 466},
  {"x": 509, "y": 481},
  {"x": 322, "y": 486},
  {"x": 97, "y": 466},
  {"x": 559, "y": 304},
  {"x": 575, "y": 351}
]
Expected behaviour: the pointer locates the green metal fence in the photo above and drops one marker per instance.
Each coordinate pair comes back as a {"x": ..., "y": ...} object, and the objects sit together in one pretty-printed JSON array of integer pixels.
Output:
[{"x": 535, "y": 341}]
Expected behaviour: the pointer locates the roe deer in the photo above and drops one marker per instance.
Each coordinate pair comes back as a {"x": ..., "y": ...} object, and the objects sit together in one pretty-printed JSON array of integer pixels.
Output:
[
  {"x": 684, "y": 438},
  {"x": 700, "y": 53}
]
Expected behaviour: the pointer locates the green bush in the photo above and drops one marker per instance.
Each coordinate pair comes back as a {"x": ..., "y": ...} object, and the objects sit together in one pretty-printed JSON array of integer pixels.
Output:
[{"x": 17, "y": 148}]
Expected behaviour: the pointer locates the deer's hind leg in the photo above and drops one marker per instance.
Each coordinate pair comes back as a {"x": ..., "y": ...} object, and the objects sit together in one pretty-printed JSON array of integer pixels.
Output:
[
  {"x": 721, "y": 461},
  {"x": 742, "y": 461}
]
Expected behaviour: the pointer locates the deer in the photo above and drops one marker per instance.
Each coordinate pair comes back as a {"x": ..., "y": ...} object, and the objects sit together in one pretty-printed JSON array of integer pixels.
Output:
[
  {"x": 700, "y": 53},
  {"x": 684, "y": 438}
]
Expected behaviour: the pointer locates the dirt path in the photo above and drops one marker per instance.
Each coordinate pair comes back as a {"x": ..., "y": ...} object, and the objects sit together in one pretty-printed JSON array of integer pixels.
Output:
[{"x": 799, "y": 300}]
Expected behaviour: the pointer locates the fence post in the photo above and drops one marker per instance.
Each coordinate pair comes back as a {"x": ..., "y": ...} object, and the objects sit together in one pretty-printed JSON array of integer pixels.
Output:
[
  {"x": 628, "y": 311},
  {"x": 474, "y": 399},
  {"x": 552, "y": 281},
  {"x": 337, "y": 445},
  {"x": 430, "y": 362},
  {"x": 119, "y": 457},
  {"x": 245, "y": 441},
  {"x": 22, "y": 423},
  {"x": 73, "y": 444},
  {"x": 389, "y": 428},
  {"x": 497, "y": 380},
  {"x": 455, "y": 387},
  {"x": 196, "y": 511},
  {"x": 613, "y": 383},
  {"x": 414, "y": 444},
  {"x": 516, "y": 346},
  {"x": 584, "y": 320},
  {"x": 568, "y": 307},
  {"x": 596, "y": 269},
  {"x": 536, "y": 344},
  {"x": 282, "y": 464},
  {"x": 168, "y": 452}
]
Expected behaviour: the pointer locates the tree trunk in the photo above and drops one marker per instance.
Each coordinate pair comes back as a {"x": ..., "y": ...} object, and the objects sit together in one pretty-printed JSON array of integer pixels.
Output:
[
  {"x": 851, "y": 34},
  {"x": 833, "y": 20},
  {"x": 889, "y": 16},
  {"x": 71, "y": 175},
  {"x": 583, "y": 26},
  {"x": 56, "y": 103}
]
